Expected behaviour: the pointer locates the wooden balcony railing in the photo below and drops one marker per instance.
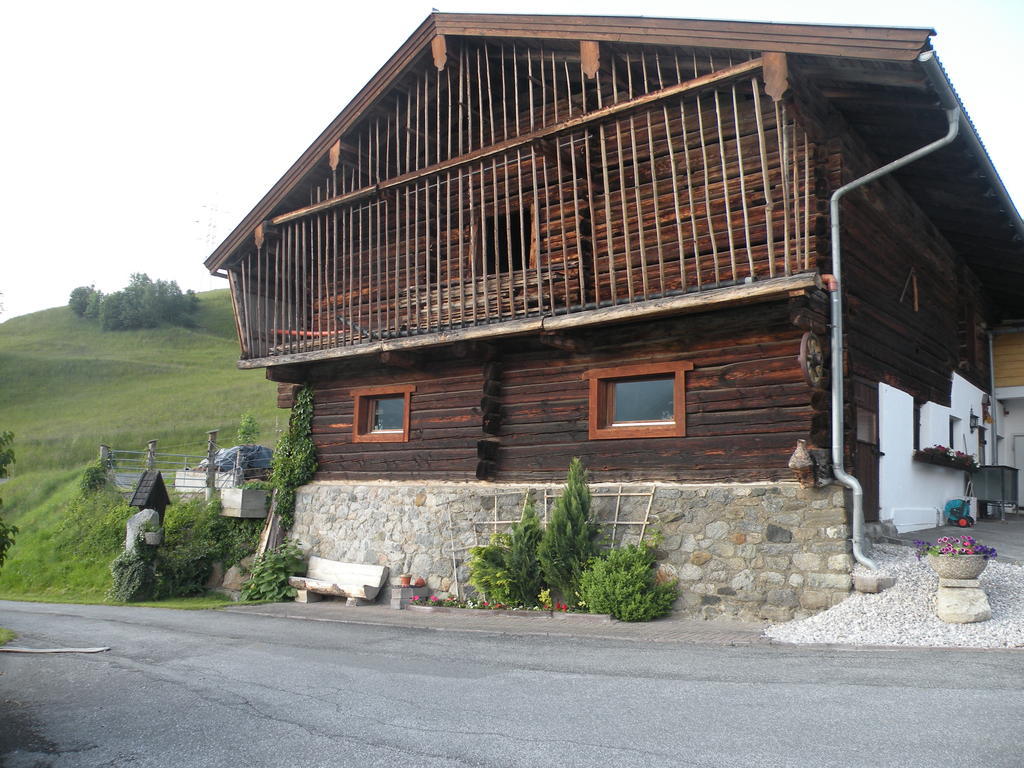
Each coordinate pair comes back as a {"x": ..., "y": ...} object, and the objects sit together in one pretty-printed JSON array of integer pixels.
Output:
[{"x": 699, "y": 185}]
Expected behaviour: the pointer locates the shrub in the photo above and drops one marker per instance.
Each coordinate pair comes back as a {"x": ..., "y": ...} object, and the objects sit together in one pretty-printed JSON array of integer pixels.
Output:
[
  {"x": 488, "y": 569},
  {"x": 506, "y": 570},
  {"x": 270, "y": 572},
  {"x": 195, "y": 537},
  {"x": 623, "y": 583},
  {"x": 94, "y": 477},
  {"x": 525, "y": 578},
  {"x": 134, "y": 576},
  {"x": 569, "y": 540},
  {"x": 7, "y": 532}
]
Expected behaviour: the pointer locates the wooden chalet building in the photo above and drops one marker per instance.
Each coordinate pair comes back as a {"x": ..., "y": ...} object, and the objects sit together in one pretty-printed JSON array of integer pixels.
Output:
[{"x": 530, "y": 238}]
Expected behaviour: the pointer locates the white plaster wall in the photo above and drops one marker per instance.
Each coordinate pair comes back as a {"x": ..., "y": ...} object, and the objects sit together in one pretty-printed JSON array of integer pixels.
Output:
[
  {"x": 911, "y": 494},
  {"x": 1011, "y": 423}
]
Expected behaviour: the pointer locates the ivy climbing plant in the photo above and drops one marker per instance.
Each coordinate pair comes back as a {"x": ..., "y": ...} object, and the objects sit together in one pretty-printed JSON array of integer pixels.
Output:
[{"x": 294, "y": 461}]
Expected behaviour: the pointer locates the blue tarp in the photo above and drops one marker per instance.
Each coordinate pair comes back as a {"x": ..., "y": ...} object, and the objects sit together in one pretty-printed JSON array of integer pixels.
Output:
[{"x": 242, "y": 457}]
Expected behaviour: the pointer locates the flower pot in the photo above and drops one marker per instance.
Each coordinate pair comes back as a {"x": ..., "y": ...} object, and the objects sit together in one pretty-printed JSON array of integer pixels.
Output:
[
  {"x": 153, "y": 538},
  {"x": 405, "y": 580},
  {"x": 957, "y": 566},
  {"x": 244, "y": 502}
]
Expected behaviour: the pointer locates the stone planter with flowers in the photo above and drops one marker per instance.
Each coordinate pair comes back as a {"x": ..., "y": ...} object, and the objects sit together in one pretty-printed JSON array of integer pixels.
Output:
[{"x": 958, "y": 561}]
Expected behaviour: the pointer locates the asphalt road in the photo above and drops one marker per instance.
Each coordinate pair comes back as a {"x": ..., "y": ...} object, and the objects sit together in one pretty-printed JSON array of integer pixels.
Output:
[{"x": 183, "y": 688}]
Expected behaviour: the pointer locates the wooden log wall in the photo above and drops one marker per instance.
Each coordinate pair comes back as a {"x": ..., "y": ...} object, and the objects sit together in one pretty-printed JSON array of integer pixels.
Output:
[
  {"x": 524, "y": 418},
  {"x": 663, "y": 173},
  {"x": 445, "y": 422},
  {"x": 911, "y": 304}
]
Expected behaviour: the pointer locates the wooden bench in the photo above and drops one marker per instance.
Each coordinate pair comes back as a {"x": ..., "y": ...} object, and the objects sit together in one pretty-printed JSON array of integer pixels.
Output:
[{"x": 358, "y": 582}]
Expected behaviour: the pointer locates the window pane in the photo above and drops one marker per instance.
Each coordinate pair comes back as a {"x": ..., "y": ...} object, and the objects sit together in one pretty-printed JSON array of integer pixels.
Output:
[
  {"x": 387, "y": 414},
  {"x": 644, "y": 400}
]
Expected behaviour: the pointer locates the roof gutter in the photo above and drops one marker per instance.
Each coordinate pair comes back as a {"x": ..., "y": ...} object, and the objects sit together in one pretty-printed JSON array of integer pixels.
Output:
[{"x": 834, "y": 283}]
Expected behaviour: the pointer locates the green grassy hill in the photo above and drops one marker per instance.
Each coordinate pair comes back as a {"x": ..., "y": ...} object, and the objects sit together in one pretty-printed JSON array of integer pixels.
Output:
[{"x": 66, "y": 387}]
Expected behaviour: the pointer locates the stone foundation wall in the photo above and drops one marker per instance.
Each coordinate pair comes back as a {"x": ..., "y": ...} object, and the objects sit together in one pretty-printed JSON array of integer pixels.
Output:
[{"x": 751, "y": 551}]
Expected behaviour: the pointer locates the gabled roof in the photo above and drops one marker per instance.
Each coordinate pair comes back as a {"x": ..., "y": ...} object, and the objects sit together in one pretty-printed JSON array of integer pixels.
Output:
[
  {"x": 875, "y": 76},
  {"x": 150, "y": 493}
]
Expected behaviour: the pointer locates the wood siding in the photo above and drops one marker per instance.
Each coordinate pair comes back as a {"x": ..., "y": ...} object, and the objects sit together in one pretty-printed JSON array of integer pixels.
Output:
[
  {"x": 913, "y": 310},
  {"x": 1008, "y": 352},
  {"x": 746, "y": 405}
]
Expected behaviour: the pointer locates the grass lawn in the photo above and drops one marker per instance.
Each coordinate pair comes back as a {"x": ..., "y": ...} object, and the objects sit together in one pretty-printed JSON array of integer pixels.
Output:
[
  {"x": 6, "y": 636},
  {"x": 68, "y": 387}
]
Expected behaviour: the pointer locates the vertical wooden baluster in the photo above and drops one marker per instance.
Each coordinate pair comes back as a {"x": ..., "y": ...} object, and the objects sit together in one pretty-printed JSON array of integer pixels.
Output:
[
  {"x": 504, "y": 95},
  {"x": 725, "y": 188},
  {"x": 481, "y": 122},
  {"x": 795, "y": 190},
  {"x": 286, "y": 291},
  {"x": 417, "y": 311},
  {"x": 765, "y": 176},
  {"x": 441, "y": 258},
  {"x": 807, "y": 204},
  {"x": 560, "y": 202},
  {"x": 293, "y": 289},
  {"x": 780, "y": 132},
  {"x": 655, "y": 194},
  {"x": 674, "y": 176},
  {"x": 515, "y": 88},
  {"x": 690, "y": 202},
  {"x": 491, "y": 120},
  {"x": 707, "y": 193},
  {"x": 743, "y": 181},
  {"x": 529, "y": 86},
  {"x": 623, "y": 205},
  {"x": 448, "y": 118},
  {"x": 536, "y": 157}
]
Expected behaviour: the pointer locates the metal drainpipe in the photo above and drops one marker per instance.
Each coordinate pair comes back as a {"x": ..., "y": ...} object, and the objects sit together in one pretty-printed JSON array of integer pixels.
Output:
[
  {"x": 835, "y": 287},
  {"x": 993, "y": 451}
]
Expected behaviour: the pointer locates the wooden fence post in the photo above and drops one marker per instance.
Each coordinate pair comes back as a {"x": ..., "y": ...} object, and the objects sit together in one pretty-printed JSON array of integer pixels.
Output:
[{"x": 211, "y": 467}]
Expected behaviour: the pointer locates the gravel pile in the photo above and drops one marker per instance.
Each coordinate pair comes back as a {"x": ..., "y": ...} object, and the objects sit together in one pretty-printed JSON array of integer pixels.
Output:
[{"x": 904, "y": 614}]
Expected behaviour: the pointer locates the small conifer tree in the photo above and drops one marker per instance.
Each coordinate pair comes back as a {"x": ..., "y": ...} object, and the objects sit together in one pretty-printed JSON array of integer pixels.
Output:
[
  {"x": 569, "y": 541},
  {"x": 523, "y": 568}
]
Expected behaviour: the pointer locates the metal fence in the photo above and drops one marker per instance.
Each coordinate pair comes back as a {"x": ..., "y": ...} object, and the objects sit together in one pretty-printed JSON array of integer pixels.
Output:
[{"x": 184, "y": 473}]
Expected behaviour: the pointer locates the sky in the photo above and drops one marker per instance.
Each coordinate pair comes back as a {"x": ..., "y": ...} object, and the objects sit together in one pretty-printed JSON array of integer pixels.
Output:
[{"x": 135, "y": 135}]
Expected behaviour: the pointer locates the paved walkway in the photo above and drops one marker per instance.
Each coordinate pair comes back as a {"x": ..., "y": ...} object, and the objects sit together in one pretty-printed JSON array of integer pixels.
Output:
[
  {"x": 666, "y": 630},
  {"x": 1007, "y": 537}
]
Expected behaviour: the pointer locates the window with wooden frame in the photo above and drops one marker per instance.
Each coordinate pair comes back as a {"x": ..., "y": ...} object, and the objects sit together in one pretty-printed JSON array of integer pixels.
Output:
[
  {"x": 645, "y": 400},
  {"x": 381, "y": 414}
]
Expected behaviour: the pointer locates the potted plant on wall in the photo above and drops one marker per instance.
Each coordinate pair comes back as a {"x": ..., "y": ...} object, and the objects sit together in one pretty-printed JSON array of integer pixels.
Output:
[
  {"x": 251, "y": 500},
  {"x": 942, "y": 456}
]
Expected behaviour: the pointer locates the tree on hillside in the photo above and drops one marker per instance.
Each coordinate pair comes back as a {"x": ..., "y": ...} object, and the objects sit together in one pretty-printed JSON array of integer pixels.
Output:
[
  {"x": 7, "y": 532},
  {"x": 248, "y": 430},
  {"x": 144, "y": 303}
]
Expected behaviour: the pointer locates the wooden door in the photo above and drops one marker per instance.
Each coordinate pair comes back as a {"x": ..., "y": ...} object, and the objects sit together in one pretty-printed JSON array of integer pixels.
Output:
[{"x": 865, "y": 446}]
